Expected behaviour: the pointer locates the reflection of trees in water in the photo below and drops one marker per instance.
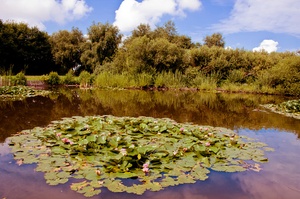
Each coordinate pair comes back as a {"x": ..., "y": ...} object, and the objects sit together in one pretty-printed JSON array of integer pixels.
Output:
[{"x": 216, "y": 109}]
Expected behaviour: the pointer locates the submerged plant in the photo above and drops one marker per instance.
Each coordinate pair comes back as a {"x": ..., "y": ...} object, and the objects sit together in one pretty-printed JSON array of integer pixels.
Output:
[{"x": 108, "y": 151}]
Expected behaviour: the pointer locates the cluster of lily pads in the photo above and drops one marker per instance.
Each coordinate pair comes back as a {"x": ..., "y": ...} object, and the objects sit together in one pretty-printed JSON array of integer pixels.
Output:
[
  {"x": 20, "y": 92},
  {"x": 289, "y": 108},
  {"x": 127, "y": 154}
]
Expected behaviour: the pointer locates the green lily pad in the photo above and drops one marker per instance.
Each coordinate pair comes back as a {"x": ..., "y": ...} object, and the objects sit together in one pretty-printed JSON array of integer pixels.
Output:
[{"x": 150, "y": 153}]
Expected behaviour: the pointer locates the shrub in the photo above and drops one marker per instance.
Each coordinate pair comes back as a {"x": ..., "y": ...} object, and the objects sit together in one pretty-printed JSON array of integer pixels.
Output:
[
  {"x": 19, "y": 79},
  {"x": 53, "y": 79},
  {"x": 69, "y": 78},
  {"x": 85, "y": 79}
]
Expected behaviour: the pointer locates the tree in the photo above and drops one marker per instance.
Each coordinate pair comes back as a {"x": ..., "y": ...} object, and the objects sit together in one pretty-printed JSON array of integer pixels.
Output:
[
  {"x": 67, "y": 48},
  {"x": 24, "y": 49},
  {"x": 141, "y": 30},
  {"x": 215, "y": 39},
  {"x": 102, "y": 44}
]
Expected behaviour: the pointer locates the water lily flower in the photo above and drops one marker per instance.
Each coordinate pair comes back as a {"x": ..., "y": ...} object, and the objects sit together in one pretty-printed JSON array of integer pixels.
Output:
[
  {"x": 123, "y": 152},
  {"x": 98, "y": 172},
  {"x": 181, "y": 129},
  {"x": 175, "y": 152},
  {"x": 58, "y": 134},
  {"x": 67, "y": 141},
  {"x": 146, "y": 168},
  {"x": 207, "y": 144}
]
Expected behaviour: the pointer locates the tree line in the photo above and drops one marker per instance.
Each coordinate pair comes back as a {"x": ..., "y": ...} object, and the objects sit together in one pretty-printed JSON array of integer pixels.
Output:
[{"x": 146, "y": 50}]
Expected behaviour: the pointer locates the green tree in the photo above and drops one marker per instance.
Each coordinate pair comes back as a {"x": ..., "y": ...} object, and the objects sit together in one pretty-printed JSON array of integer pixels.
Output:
[
  {"x": 24, "y": 49},
  {"x": 67, "y": 48},
  {"x": 102, "y": 44},
  {"x": 215, "y": 39}
]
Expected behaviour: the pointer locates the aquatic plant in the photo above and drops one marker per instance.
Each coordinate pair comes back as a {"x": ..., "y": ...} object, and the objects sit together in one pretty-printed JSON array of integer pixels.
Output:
[
  {"x": 19, "y": 92},
  {"x": 126, "y": 154},
  {"x": 289, "y": 108}
]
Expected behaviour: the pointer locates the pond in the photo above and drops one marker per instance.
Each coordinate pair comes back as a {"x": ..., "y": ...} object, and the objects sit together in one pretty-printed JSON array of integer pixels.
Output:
[{"x": 278, "y": 178}]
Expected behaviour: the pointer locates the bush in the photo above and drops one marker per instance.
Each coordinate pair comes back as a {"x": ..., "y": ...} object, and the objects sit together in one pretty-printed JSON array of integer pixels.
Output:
[
  {"x": 53, "y": 79},
  {"x": 284, "y": 77},
  {"x": 19, "y": 79},
  {"x": 70, "y": 79},
  {"x": 85, "y": 79}
]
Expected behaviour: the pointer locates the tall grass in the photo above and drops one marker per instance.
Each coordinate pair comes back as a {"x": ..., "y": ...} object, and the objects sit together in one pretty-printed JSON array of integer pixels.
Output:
[
  {"x": 205, "y": 82},
  {"x": 170, "y": 80}
]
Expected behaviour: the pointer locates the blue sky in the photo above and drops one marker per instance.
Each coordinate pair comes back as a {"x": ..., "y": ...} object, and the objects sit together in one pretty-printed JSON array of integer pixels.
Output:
[{"x": 272, "y": 25}]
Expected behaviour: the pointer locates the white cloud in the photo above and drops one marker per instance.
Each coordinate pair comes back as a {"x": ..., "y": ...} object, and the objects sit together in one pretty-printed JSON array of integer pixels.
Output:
[
  {"x": 267, "y": 45},
  {"x": 132, "y": 13},
  {"x": 268, "y": 15},
  {"x": 36, "y": 12}
]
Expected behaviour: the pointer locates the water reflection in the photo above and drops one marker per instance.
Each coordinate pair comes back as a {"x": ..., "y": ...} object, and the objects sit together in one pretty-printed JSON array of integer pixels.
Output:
[
  {"x": 278, "y": 179},
  {"x": 226, "y": 110}
]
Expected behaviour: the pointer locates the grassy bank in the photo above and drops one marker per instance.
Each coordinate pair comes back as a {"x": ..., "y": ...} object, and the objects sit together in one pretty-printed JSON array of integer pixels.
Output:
[{"x": 261, "y": 84}]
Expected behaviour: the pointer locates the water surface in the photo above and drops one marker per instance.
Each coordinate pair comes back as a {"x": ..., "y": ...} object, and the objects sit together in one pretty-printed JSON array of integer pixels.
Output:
[{"x": 279, "y": 178}]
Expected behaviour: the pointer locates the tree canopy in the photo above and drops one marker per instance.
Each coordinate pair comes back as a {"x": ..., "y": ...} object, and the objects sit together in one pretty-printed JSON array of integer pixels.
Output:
[{"x": 24, "y": 49}]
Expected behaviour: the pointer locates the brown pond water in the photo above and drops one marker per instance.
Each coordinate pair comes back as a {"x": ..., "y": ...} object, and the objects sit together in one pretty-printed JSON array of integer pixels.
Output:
[{"x": 279, "y": 178}]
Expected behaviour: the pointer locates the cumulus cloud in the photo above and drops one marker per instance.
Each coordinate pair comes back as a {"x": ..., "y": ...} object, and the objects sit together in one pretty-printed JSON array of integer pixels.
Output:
[
  {"x": 132, "y": 13},
  {"x": 37, "y": 12},
  {"x": 267, "y": 45},
  {"x": 268, "y": 15}
]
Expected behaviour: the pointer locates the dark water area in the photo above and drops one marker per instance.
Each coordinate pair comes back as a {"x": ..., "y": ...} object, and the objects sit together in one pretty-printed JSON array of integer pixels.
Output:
[{"x": 279, "y": 178}]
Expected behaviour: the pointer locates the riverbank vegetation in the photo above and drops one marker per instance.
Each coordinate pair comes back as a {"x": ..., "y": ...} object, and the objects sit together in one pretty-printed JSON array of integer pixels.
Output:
[{"x": 160, "y": 58}]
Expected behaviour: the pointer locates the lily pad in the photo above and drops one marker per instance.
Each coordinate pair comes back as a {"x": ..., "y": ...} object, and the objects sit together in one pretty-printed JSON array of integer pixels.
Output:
[{"x": 150, "y": 153}]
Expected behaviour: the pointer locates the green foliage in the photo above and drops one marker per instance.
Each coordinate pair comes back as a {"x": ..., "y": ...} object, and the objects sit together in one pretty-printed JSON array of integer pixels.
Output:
[
  {"x": 67, "y": 48},
  {"x": 215, "y": 39},
  {"x": 19, "y": 92},
  {"x": 205, "y": 82},
  {"x": 70, "y": 79},
  {"x": 284, "y": 77},
  {"x": 170, "y": 80},
  {"x": 289, "y": 108},
  {"x": 24, "y": 48},
  {"x": 146, "y": 57},
  {"x": 236, "y": 76},
  {"x": 85, "y": 79},
  {"x": 102, "y": 45},
  {"x": 53, "y": 79},
  {"x": 19, "y": 79},
  {"x": 102, "y": 151}
]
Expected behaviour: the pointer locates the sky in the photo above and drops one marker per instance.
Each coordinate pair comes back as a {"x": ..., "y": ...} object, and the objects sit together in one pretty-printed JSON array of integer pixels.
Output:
[{"x": 270, "y": 25}]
